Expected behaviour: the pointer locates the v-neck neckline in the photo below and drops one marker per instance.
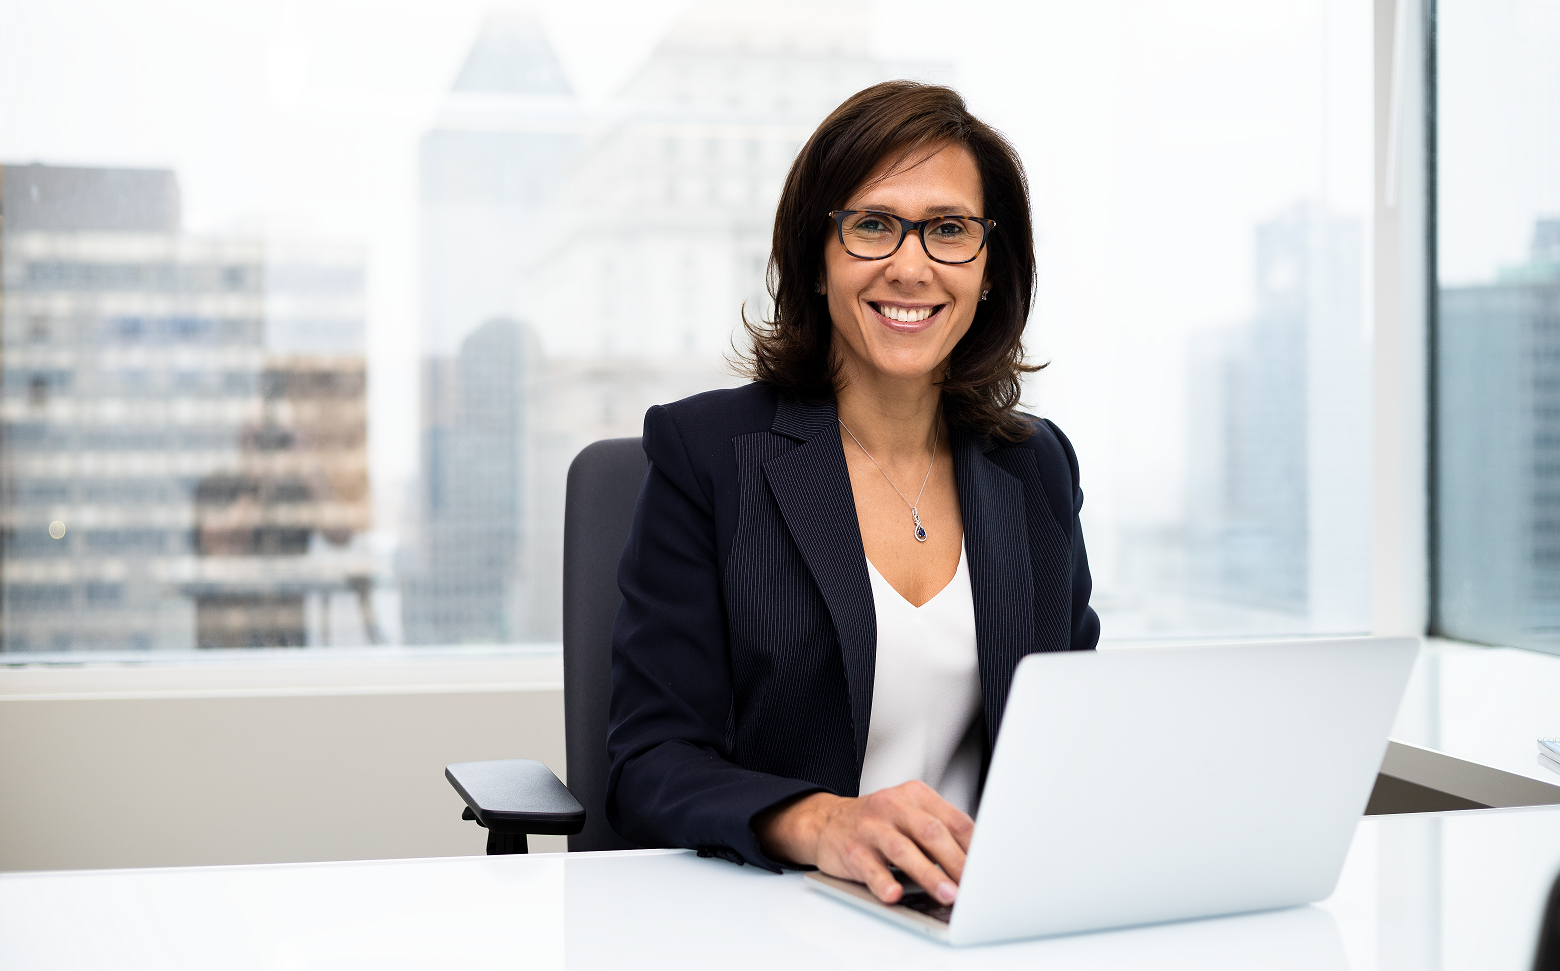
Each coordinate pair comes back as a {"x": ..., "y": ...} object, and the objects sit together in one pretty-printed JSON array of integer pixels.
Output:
[{"x": 956, "y": 571}]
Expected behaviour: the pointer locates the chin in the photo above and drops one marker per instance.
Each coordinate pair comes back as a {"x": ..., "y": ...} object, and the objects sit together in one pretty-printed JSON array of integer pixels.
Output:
[{"x": 903, "y": 370}]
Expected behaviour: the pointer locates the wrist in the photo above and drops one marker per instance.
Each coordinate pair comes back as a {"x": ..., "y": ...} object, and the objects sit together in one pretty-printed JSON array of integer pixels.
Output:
[{"x": 790, "y": 831}]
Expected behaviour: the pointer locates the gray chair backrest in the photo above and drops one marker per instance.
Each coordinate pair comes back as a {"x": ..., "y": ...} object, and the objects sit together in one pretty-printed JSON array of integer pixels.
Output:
[
  {"x": 1547, "y": 955},
  {"x": 603, "y": 486}
]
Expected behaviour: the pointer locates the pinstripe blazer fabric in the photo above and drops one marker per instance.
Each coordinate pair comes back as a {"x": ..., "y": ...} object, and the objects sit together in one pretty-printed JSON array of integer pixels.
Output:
[{"x": 743, "y": 652}]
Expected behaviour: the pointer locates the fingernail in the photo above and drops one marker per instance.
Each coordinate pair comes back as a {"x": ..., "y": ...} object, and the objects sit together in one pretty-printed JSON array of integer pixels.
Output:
[{"x": 947, "y": 892}]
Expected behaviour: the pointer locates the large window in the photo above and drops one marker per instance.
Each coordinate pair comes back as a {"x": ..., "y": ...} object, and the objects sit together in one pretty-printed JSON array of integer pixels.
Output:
[
  {"x": 1497, "y": 326},
  {"x": 308, "y": 306}
]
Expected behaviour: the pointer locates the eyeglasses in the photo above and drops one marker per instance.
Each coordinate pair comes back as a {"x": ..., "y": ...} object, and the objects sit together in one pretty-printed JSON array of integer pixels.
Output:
[{"x": 870, "y": 235}]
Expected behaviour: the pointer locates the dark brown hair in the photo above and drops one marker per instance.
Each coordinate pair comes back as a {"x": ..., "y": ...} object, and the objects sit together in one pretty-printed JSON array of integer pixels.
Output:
[{"x": 792, "y": 351}]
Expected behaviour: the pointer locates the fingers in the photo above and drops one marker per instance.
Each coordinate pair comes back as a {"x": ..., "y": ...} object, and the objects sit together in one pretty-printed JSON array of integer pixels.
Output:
[
  {"x": 870, "y": 870},
  {"x": 908, "y": 826},
  {"x": 906, "y": 855},
  {"x": 960, "y": 826},
  {"x": 941, "y": 832}
]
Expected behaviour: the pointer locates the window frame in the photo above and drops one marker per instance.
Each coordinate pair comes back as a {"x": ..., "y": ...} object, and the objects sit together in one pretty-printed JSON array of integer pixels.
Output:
[{"x": 1403, "y": 135}]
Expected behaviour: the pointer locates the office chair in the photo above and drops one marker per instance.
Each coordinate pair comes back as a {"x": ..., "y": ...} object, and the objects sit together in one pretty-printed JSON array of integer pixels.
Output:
[
  {"x": 515, "y": 797},
  {"x": 1547, "y": 955}
]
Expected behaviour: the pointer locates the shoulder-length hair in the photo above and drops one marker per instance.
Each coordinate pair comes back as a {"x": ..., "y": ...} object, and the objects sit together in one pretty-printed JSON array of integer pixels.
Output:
[{"x": 792, "y": 352}]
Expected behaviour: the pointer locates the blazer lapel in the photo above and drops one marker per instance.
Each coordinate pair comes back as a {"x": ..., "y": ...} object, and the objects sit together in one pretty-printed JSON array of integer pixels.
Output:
[
  {"x": 996, "y": 543},
  {"x": 811, "y": 485}
]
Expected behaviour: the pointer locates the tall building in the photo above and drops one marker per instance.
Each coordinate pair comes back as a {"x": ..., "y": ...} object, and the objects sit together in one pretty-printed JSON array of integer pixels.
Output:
[
  {"x": 488, "y": 173},
  {"x": 184, "y": 453},
  {"x": 668, "y": 212},
  {"x": 1279, "y": 455},
  {"x": 465, "y": 583},
  {"x": 1498, "y": 472},
  {"x": 629, "y": 238}
]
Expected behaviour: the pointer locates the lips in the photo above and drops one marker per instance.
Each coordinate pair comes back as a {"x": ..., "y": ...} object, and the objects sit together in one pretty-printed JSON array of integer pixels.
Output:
[{"x": 906, "y": 319}]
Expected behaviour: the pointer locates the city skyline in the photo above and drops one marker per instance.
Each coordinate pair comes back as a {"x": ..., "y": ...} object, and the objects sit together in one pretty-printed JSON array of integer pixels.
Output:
[
  {"x": 1498, "y": 477},
  {"x": 184, "y": 425},
  {"x": 657, "y": 208},
  {"x": 317, "y": 136}
]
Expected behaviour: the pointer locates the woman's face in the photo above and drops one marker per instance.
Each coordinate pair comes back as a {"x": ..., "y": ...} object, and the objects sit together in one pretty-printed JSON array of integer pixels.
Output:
[{"x": 900, "y": 317}]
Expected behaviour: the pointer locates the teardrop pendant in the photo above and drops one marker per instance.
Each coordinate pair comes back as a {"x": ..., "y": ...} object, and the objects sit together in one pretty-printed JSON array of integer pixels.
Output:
[{"x": 920, "y": 531}]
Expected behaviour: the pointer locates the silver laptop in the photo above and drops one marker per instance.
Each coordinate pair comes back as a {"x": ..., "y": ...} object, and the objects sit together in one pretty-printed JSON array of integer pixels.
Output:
[{"x": 1153, "y": 784}]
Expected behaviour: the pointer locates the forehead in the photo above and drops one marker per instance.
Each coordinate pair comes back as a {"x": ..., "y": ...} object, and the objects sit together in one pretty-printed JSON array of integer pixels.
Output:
[{"x": 927, "y": 179}]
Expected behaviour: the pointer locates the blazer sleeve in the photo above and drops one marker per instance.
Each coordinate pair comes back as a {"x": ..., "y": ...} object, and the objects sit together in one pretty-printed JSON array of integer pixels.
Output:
[
  {"x": 671, "y": 782},
  {"x": 1085, "y": 623}
]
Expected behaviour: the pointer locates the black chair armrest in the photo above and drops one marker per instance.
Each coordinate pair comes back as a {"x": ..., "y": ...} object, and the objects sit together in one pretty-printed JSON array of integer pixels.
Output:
[{"x": 517, "y": 796}]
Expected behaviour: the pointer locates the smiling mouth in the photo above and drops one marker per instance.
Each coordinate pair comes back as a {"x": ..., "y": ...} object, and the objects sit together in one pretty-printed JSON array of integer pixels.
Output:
[{"x": 907, "y": 315}]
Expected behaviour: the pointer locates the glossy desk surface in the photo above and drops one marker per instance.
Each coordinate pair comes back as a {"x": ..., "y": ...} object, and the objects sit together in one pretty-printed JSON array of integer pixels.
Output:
[
  {"x": 1450, "y": 891},
  {"x": 1484, "y": 704}
]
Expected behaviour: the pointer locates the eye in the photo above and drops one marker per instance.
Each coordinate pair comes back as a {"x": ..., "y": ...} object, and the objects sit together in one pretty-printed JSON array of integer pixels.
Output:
[
  {"x": 949, "y": 229},
  {"x": 869, "y": 225}
]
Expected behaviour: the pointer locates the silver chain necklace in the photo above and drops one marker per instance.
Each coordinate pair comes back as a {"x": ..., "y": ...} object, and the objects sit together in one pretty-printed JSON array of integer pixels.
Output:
[{"x": 915, "y": 512}]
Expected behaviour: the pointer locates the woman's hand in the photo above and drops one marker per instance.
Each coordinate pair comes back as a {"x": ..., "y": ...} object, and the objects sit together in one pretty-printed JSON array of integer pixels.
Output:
[{"x": 909, "y": 826}]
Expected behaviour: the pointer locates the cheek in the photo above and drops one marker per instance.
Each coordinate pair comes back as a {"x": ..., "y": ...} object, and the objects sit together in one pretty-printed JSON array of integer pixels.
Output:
[
  {"x": 843, "y": 288},
  {"x": 843, "y": 320}
]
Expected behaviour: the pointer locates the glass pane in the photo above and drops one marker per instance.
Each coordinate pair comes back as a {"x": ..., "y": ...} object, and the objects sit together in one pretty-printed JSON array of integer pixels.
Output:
[
  {"x": 1202, "y": 183},
  {"x": 299, "y": 354},
  {"x": 1498, "y": 342}
]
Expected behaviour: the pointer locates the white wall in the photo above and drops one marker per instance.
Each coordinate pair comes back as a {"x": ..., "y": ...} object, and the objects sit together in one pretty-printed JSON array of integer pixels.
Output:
[{"x": 263, "y": 761}]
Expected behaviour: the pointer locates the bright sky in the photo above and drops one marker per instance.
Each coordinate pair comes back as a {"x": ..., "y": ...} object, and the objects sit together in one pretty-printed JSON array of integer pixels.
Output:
[
  {"x": 1499, "y": 123},
  {"x": 1157, "y": 136}
]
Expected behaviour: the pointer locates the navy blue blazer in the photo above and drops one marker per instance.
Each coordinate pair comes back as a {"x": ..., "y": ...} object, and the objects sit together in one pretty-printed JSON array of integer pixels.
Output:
[{"x": 743, "y": 653}]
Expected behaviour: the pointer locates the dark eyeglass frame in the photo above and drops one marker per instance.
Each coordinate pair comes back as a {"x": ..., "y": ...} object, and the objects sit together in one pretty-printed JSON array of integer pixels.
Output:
[{"x": 906, "y": 227}]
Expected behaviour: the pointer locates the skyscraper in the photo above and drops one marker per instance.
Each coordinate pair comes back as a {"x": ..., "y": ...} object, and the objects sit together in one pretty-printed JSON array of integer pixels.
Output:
[
  {"x": 463, "y": 583},
  {"x": 629, "y": 239},
  {"x": 488, "y": 176},
  {"x": 1498, "y": 455},
  {"x": 184, "y": 426},
  {"x": 1280, "y": 460}
]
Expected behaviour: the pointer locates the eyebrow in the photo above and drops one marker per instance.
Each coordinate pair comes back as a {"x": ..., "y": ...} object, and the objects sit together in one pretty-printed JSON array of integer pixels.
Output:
[{"x": 929, "y": 210}]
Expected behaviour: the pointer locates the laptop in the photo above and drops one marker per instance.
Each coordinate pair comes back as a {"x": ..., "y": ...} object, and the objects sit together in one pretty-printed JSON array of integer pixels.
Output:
[{"x": 1135, "y": 786}]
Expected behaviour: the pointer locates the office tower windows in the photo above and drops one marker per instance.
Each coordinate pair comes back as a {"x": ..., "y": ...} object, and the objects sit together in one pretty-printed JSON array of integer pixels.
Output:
[
  {"x": 316, "y": 377},
  {"x": 184, "y": 424},
  {"x": 1497, "y": 327},
  {"x": 1499, "y": 452},
  {"x": 461, "y": 582}
]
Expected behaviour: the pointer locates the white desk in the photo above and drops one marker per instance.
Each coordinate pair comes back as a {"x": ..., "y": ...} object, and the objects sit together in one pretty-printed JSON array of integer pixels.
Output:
[
  {"x": 1484, "y": 704},
  {"x": 1454, "y": 891}
]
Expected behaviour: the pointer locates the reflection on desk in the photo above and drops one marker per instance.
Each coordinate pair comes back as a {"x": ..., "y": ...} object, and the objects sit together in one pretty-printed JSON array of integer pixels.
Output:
[
  {"x": 1487, "y": 705},
  {"x": 1454, "y": 891}
]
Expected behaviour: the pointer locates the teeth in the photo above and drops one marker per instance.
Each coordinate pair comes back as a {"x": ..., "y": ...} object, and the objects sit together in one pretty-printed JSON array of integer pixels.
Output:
[{"x": 906, "y": 315}]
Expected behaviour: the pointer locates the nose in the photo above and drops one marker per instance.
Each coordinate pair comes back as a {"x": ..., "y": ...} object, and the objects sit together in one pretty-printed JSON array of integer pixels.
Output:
[{"x": 910, "y": 265}]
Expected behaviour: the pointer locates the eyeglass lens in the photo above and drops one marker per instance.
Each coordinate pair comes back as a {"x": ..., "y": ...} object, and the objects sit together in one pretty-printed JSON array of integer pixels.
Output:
[{"x": 949, "y": 239}]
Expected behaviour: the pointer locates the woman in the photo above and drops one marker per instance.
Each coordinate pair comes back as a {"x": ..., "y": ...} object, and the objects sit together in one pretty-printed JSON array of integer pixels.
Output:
[{"x": 834, "y": 570}]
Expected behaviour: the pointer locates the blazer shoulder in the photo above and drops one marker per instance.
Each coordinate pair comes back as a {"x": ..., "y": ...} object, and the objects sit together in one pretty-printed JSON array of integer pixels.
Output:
[
  {"x": 1051, "y": 445},
  {"x": 1057, "y": 465},
  {"x": 719, "y": 416},
  {"x": 694, "y": 435}
]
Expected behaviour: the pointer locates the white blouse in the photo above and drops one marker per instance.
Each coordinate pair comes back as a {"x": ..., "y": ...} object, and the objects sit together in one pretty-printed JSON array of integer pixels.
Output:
[{"x": 925, "y": 692}]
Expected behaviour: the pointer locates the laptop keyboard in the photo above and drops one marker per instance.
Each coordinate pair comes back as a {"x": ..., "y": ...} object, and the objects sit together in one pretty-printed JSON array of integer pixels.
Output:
[
  {"x": 922, "y": 902},
  {"x": 919, "y": 900}
]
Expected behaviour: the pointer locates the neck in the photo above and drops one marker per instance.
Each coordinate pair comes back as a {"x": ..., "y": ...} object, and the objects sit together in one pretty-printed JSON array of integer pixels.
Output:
[{"x": 891, "y": 416}]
